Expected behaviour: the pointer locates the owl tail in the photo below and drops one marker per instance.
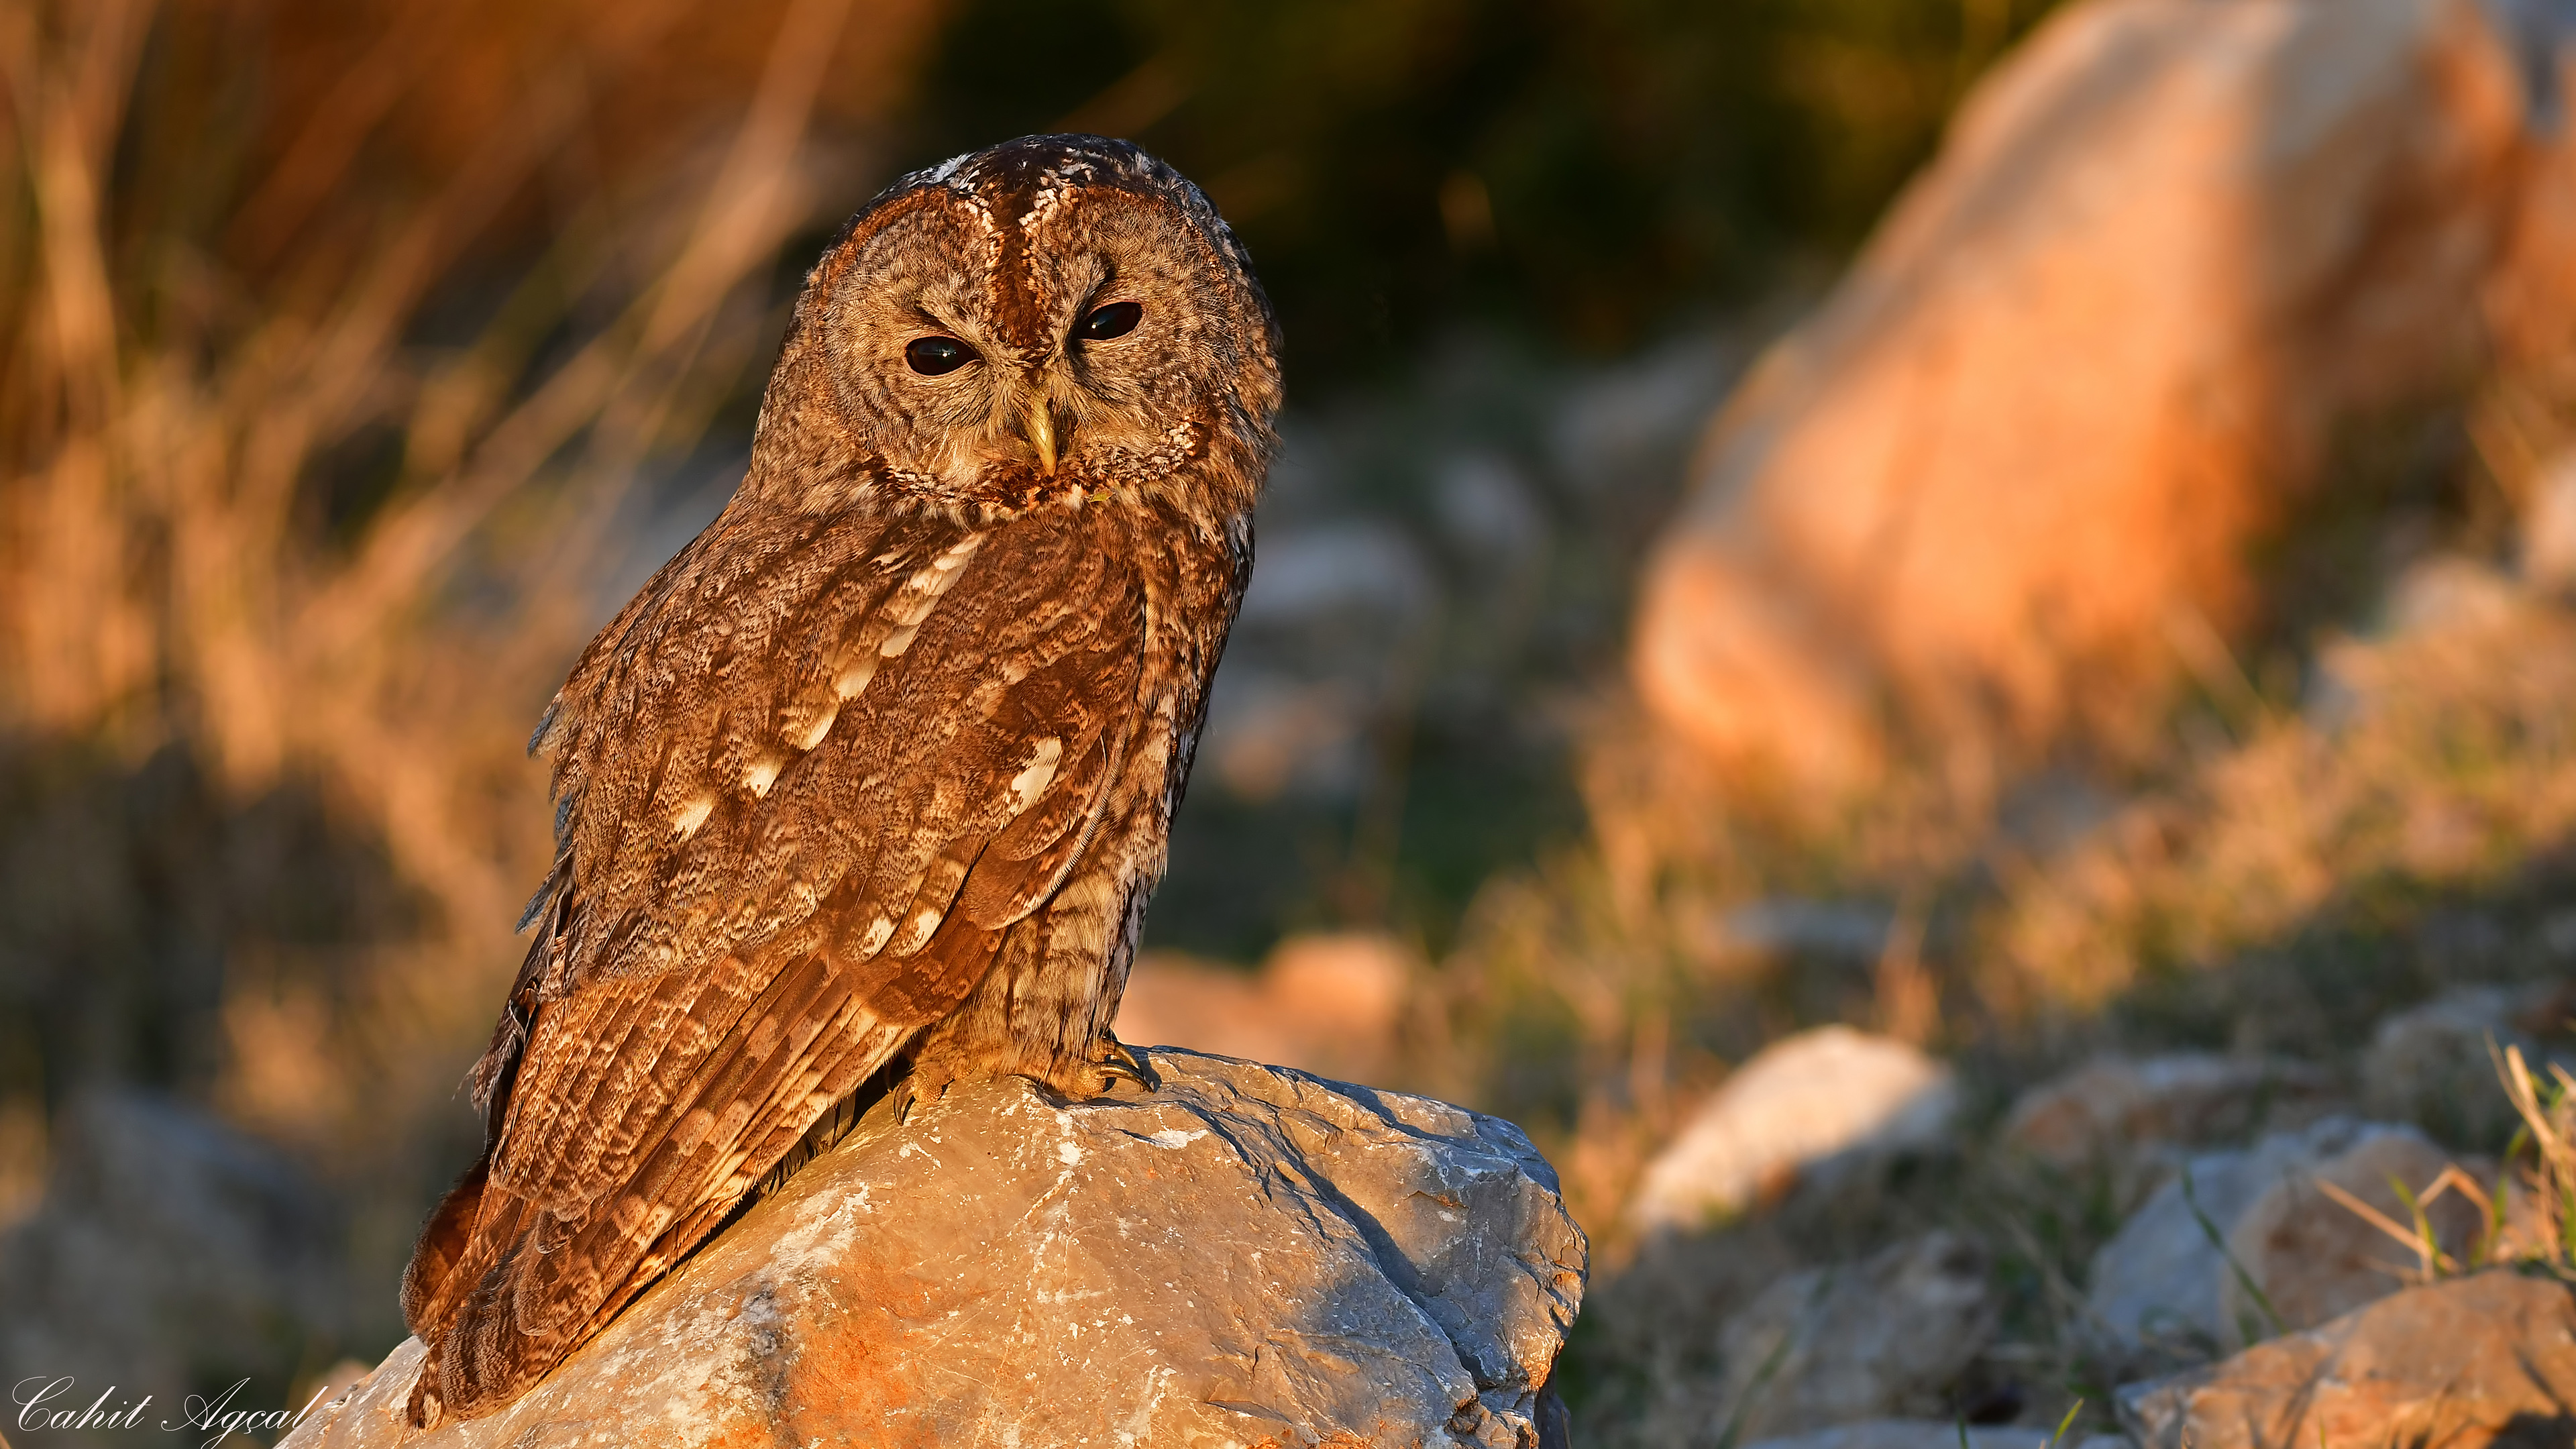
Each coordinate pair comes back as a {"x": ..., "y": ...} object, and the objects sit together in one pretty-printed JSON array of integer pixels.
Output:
[
  {"x": 426, "y": 1280},
  {"x": 501, "y": 1290},
  {"x": 442, "y": 1247}
]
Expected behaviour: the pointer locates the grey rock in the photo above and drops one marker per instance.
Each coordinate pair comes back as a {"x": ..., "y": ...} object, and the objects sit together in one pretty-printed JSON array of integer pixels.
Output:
[
  {"x": 2119, "y": 1110},
  {"x": 1886, "y": 1336},
  {"x": 1807, "y": 1106},
  {"x": 2157, "y": 1282},
  {"x": 2429, "y": 1064},
  {"x": 2315, "y": 1258},
  {"x": 2164, "y": 1283},
  {"x": 1247, "y": 1256}
]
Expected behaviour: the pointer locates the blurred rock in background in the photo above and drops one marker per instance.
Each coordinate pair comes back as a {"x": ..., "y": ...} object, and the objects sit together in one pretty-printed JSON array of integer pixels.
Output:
[
  {"x": 2175, "y": 1276},
  {"x": 2127, "y": 617},
  {"x": 1885, "y": 1337},
  {"x": 1810, "y": 1104},
  {"x": 2435, "y": 1063},
  {"x": 1998, "y": 494},
  {"x": 2460, "y": 1365},
  {"x": 2310, "y": 1248},
  {"x": 1438, "y": 597},
  {"x": 2118, "y": 1110}
]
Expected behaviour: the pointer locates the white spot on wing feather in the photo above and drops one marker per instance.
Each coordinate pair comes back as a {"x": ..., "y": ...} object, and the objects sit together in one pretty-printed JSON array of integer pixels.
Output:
[
  {"x": 880, "y": 931},
  {"x": 911, "y": 603},
  {"x": 1034, "y": 777},
  {"x": 904, "y": 612},
  {"x": 855, "y": 675},
  {"x": 918, "y": 931},
  {"x": 806, "y": 734},
  {"x": 762, "y": 774},
  {"x": 690, "y": 816}
]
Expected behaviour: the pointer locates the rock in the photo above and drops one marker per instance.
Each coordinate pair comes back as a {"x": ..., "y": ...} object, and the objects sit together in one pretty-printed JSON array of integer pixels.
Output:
[
  {"x": 2112, "y": 1109},
  {"x": 2156, "y": 1283},
  {"x": 169, "y": 1253},
  {"x": 1325, "y": 1003},
  {"x": 2450, "y": 593},
  {"x": 2163, "y": 1284},
  {"x": 1886, "y": 1336},
  {"x": 2154, "y": 1286},
  {"x": 1802, "y": 1105},
  {"x": 2548, "y": 542},
  {"x": 1246, "y": 1256},
  {"x": 2429, "y": 1065},
  {"x": 1908, "y": 1434},
  {"x": 2463, "y": 1364},
  {"x": 2314, "y": 1258},
  {"x": 2001, "y": 487},
  {"x": 1651, "y": 1330}
]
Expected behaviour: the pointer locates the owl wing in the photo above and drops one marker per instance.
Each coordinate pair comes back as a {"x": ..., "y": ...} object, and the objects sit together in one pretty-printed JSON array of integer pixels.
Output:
[
  {"x": 830, "y": 732},
  {"x": 806, "y": 784}
]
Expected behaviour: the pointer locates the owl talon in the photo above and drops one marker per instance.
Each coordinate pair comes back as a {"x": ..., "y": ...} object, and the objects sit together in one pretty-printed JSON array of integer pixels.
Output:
[{"x": 1117, "y": 1061}]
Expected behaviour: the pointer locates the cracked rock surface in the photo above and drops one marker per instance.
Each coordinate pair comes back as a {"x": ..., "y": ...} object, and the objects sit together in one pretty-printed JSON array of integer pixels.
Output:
[{"x": 1247, "y": 1256}]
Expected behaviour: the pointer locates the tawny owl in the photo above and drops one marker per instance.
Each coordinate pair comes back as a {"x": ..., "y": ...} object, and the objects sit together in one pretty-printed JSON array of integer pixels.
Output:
[{"x": 883, "y": 763}]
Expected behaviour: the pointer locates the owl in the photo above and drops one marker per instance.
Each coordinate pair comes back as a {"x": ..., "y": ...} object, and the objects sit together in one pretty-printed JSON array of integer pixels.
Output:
[{"x": 877, "y": 774}]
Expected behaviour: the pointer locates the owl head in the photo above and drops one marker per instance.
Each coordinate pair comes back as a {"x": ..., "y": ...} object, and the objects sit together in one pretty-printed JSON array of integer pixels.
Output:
[{"x": 1054, "y": 316}]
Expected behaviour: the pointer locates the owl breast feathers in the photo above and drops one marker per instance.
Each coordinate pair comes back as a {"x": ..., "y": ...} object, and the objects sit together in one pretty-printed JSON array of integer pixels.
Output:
[{"x": 878, "y": 771}]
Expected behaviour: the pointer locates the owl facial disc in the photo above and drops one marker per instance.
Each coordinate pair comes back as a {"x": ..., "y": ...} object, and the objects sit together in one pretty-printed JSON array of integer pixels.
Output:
[{"x": 1056, "y": 317}]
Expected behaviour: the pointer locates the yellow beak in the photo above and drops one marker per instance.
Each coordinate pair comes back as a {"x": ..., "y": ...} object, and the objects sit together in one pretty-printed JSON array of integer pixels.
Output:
[{"x": 1042, "y": 435}]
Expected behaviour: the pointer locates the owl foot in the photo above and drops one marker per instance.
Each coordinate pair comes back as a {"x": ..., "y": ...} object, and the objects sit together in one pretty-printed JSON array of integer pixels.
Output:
[
  {"x": 924, "y": 1084},
  {"x": 426, "y": 1409},
  {"x": 1117, "y": 1061}
]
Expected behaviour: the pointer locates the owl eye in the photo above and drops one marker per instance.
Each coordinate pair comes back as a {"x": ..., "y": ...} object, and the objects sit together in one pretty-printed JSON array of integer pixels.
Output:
[
  {"x": 1115, "y": 320},
  {"x": 935, "y": 356}
]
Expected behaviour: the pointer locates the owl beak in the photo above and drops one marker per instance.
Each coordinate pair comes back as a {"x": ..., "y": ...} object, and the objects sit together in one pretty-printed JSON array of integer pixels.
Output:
[{"x": 1041, "y": 428}]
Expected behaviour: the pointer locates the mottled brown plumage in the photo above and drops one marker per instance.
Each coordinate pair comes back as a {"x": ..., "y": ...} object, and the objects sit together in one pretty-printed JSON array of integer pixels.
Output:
[{"x": 879, "y": 769}]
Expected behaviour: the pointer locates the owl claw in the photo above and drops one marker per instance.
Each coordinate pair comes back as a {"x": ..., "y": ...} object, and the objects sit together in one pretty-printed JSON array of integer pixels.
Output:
[{"x": 1117, "y": 1061}]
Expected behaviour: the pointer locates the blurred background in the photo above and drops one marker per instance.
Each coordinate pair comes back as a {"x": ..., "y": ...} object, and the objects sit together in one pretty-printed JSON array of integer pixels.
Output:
[{"x": 2038, "y": 533}]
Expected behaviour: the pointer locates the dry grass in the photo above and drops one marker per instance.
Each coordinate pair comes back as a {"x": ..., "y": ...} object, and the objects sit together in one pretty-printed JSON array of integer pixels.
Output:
[
  {"x": 2548, "y": 1173},
  {"x": 2447, "y": 760},
  {"x": 174, "y": 560},
  {"x": 347, "y": 343}
]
